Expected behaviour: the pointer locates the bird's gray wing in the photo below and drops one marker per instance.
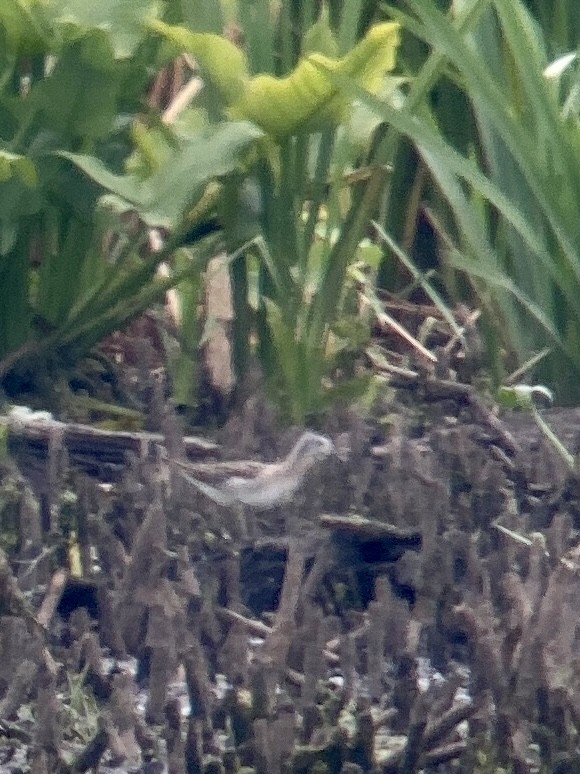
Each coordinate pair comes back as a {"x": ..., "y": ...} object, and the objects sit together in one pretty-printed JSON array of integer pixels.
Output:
[
  {"x": 256, "y": 493},
  {"x": 261, "y": 492},
  {"x": 219, "y": 496}
]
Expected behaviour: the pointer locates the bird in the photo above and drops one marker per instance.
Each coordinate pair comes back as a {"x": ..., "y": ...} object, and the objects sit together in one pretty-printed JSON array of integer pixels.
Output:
[{"x": 275, "y": 483}]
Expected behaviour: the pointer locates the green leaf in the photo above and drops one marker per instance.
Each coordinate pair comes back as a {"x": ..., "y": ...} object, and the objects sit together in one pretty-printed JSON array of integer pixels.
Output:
[
  {"x": 205, "y": 15},
  {"x": 165, "y": 198},
  {"x": 65, "y": 272},
  {"x": 223, "y": 63},
  {"x": 307, "y": 100},
  {"x": 25, "y": 26},
  {"x": 526, "y": 396},
  {"x": 261, "y": 33},
  {"x": 21, "y": 166},
  {"x": 124, "y": 21},
  {"x": 18, "y": 202},
  {"x": 185, "y": 366},
  {"x": 79, "y": 99},
  {"x": 323, "y": 308},
  {"x": 523, "y": 395},
  {"x": 303, "y": 101},
  {"x": 320, "y": 38},
  {"x": 288, "y": 359}
]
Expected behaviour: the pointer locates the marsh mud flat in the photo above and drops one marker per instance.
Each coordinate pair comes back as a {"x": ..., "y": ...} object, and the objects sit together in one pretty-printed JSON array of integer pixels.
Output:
[{"x": 414, "y": 609}]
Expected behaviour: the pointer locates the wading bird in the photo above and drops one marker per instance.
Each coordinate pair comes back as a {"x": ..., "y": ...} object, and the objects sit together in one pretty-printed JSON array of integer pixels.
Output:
[{"x": 274, "y": 484}]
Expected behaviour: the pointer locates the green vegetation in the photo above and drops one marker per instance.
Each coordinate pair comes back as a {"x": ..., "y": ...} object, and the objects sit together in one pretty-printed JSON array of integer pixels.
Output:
[
  {"x": 313, "y": 121},
  {"x": 74, "y": 265},
  {"x": 74, "y": 260},
  {"x": 297, "y": 171},
  {"x": 502, "y": 192}
]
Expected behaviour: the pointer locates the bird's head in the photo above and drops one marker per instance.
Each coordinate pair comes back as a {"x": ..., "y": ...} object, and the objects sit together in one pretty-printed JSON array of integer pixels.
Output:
[{"x": 309, "y": 449}]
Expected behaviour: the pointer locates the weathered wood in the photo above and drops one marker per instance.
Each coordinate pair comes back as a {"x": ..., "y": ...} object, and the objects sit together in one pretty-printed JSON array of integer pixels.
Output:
[{"x": 89, "y": 448}]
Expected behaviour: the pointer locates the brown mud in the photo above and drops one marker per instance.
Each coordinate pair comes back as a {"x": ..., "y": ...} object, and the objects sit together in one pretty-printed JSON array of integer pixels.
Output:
[{"x": 414, "y": 609}]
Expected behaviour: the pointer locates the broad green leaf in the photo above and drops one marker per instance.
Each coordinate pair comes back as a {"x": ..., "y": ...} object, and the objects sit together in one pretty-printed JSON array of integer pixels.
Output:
[
  {"x": 124, "y": 21},
  {"x": 151, "y": 150},
  {"x": 165, "y": 198},
  {"x": 220, "y": 60},
  {"x": 25, "y": 27},
  {"x": 80, "y": 97},
  {"x": 307, "y": 99},
  {"x": 154, "y": 145}
]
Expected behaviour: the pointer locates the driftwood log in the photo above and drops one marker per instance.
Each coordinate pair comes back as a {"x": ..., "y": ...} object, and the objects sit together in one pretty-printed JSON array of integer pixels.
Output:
[{"x": 97, "y": 452}]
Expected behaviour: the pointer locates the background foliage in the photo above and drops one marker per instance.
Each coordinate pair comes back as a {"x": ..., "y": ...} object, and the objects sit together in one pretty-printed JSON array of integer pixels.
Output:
[
  {"x": 303, "y": 133},
  {"x": 499, "y": 190},
  {"x": 277, "y": 83},
  {"x": 269, "y": 125},
  {"x": 75, "y": 266}
]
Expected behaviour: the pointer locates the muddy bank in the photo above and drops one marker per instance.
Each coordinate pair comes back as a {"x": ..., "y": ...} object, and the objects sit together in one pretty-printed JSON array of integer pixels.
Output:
[{"x": 414, "y": 606}]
